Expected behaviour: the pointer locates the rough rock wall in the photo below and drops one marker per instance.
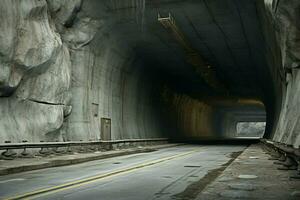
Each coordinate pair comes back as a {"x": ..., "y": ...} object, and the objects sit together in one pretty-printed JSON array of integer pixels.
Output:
[
  {"x": 35, "y": 72},
  {"x": 283, "y": 18},
  {"x": 61, "y": 71}
]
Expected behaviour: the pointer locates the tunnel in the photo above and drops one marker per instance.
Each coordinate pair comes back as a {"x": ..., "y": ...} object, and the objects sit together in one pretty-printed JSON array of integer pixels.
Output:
[{"x": 78, "y": 72}]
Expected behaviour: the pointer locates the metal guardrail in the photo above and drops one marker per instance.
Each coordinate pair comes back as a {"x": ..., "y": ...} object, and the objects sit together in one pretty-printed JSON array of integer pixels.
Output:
[
  {"x": 284, "y": 155},
  {"x": 7, "y": 145},
  {"x": 283, "y": 148}
]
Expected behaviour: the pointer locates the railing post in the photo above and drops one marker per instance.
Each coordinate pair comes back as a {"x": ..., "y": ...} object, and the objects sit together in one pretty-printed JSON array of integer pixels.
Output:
[
  {"x": 9, "y": 154},
  {"x": 24, "y": 153},
  {"x": 81, "y": 149},
  {"x": 43, "y": 150},
  {"x": 297, "y": 154}
]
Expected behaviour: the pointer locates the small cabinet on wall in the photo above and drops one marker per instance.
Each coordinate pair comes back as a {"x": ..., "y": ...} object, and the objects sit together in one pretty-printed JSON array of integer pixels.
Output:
[{"x": 105, "y": 129}]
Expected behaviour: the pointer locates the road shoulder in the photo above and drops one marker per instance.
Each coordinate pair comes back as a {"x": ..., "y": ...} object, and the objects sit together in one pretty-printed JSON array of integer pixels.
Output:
[{"x": 252, "y": 176}]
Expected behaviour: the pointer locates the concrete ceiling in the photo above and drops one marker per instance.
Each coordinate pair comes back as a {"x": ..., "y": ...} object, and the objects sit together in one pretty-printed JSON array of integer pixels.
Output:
[{"x": 226, "y": 34}]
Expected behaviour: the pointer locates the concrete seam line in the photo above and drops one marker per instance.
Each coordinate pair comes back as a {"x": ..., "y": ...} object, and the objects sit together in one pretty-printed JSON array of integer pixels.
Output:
[{"x": 92, "y": 179}]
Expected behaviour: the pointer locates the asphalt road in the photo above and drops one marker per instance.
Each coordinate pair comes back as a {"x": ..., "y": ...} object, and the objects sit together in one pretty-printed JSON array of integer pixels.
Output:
[{"x": 173, "y": 173}]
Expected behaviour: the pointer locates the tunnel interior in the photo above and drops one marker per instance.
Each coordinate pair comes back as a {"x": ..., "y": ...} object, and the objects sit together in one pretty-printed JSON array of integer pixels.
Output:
[
  {"x": 149, "y": 99},
  {"x": 181, "y": 69},
  {"x": 228, "y": 38}
]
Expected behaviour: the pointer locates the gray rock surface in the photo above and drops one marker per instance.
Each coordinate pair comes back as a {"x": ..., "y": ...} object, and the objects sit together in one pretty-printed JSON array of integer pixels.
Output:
[
  {"x": 28, "y": 41},
  {"x": 61, "y": 71},
  {"x": 284, "y": 58},
  {"x": 35, "y": 72}
]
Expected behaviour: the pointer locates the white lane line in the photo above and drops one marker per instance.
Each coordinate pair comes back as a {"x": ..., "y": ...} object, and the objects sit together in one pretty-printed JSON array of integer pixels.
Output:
[{"x": 11, "y": 180}]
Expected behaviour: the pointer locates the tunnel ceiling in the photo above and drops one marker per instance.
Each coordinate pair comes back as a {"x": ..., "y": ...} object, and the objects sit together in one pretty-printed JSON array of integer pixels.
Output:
[{"x": 226, "y": 34}]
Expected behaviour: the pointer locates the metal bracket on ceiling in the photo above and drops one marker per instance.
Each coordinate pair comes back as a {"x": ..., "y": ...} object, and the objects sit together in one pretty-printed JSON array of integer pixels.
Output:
[
  {"x": 169, "y": 23},
  {"x": 165, "y": 20}
]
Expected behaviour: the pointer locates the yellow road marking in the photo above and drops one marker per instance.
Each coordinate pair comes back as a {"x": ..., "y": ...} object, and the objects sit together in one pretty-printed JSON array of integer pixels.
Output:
[{"x": 85, "y": 181}]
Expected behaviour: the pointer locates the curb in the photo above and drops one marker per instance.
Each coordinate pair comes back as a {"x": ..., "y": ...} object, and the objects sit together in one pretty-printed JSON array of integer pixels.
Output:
[{"x": 60, "y": 162}]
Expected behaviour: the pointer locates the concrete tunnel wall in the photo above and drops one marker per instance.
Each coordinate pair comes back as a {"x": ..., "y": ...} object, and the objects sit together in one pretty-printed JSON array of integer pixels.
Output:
[
  {"x": 64, "y": 66},
  {"x": 112, "y": 84},
  {"x": 189, "y": 118}
]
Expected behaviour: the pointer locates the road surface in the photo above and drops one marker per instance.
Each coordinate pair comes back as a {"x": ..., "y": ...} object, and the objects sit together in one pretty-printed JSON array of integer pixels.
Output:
[{"x": 173, "y": 173}]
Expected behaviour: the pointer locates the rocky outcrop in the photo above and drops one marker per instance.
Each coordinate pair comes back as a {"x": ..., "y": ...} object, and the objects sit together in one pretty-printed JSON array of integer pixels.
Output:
[
  {"x": 285, "y": 16},
  {"x": 35, "y": 72},
  {"x": 28, "y": 42},
  {"x": 282, "y": 18}
]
